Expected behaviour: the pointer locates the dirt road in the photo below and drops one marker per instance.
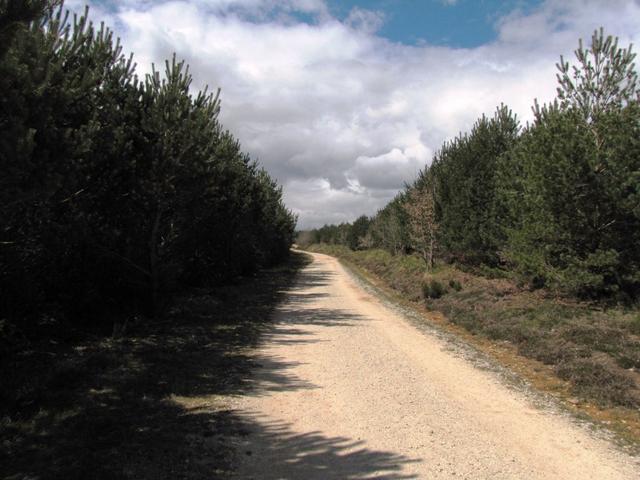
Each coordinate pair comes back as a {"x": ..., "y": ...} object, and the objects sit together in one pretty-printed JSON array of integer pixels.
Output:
[{"x": 349, "y": 389}]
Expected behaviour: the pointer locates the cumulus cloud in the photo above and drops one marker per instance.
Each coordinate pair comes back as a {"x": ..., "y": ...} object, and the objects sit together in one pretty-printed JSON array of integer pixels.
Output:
[
  {"x": 366, "y": 20},
  {"x": 339, "y": 115}
]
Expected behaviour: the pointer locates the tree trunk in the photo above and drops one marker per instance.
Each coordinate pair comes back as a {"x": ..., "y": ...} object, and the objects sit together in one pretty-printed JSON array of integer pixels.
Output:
[
  {"x": 430, "y": 257},
  {"x": 154, "y": 262}
]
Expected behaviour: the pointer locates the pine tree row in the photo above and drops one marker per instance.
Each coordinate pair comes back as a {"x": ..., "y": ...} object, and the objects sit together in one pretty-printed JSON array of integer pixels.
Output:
[
  {"x": 116, "y": 191},
  {"x": 556, "y": 202}
]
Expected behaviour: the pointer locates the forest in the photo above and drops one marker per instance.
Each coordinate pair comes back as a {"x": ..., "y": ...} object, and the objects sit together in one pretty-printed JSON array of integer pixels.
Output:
[
  {"x": 554, "y": 203},
  {"x": 117, "y": 190}
]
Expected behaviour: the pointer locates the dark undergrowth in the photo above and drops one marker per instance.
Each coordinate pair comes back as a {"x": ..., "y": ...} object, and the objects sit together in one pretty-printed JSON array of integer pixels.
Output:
[
  {"x": 142, "y": 402},
  {"x": 595, "y": 348}
]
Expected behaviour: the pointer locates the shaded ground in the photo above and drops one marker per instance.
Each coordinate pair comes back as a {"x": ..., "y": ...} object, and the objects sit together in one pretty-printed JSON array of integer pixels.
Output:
[
  {"x": 149, "y": 404},
  {"x": 371, "y": 396}
]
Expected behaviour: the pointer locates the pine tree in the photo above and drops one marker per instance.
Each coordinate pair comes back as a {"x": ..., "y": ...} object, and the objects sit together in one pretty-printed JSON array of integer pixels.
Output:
[
  {"x": 115, "y": 191},
  {"x": 604, "y": 78},
  {"x": 357, "y": 232},
  {"x": 571, "y": 181},
  {"x": 464, "y": 172},
  {"x": 389, "y": 227}
]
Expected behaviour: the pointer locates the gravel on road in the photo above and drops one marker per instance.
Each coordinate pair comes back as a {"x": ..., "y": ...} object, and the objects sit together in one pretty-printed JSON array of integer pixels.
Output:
[{"x": 347, "y": 388}]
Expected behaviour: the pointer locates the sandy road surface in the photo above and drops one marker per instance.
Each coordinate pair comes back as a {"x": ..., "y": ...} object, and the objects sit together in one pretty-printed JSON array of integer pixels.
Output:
[{"x": 347, "y": 389}]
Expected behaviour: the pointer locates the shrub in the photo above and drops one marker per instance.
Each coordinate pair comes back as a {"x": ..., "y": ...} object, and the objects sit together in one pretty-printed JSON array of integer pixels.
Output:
[
  {"x": 455, "y": 284},
  {"x": 600, "y": 381},
  {"x": 433, "y": 289},
  {"x": 634, "y": 325}
]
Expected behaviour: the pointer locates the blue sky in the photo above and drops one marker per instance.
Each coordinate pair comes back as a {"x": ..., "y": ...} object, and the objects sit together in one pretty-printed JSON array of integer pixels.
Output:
[
  {"x": 453, "y": 23},
  {"x": 461, "y": 23},
  {"x": 344, "y": 101}
]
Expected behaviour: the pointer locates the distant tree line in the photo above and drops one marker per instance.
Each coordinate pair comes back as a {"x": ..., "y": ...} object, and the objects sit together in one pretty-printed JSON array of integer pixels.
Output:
[
  {"x": 116, "y": 191},
  {"x": 556, "y": 202}
]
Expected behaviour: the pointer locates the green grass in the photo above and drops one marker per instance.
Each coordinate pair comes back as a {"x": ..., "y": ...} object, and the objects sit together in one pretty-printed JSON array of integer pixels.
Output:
[{"x": 596, "y": 350}]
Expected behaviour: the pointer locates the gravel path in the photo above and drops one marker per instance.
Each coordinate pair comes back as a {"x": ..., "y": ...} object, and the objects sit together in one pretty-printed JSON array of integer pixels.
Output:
[{"x": 348, "y": 389}]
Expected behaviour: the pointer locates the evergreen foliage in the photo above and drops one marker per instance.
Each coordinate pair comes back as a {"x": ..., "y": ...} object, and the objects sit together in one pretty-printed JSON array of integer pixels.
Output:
[
  {"x": 389, "y": 227},
  {"x": 116, "y": 192},
  {"x": 464, "y": 172},
  {"x": 574, "y": 190},
  {"x": 358, "y": 232},
  {"x": 604, "y": 79}
]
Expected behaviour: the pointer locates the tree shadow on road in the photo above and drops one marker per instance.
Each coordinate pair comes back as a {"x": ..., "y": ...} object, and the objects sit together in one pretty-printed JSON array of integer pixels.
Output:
[
  {"x": 312, "y": 455},
  {"x": 152, "y": 404}
]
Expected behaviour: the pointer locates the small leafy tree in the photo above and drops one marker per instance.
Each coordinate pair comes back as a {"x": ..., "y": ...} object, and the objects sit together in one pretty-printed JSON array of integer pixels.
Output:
[{"x": 423, "y": 226}]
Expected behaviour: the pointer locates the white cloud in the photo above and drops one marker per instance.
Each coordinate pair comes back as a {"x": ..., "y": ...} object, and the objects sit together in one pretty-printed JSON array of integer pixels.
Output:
[
  {"x": 366, "y": 20},
  {"x": 342, "y": 117}
]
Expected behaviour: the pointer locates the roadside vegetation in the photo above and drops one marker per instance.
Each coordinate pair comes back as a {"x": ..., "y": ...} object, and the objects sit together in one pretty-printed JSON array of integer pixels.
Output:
[
  {"x": 595, "y": 348},
  {"x": 529, "y": 234}
]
